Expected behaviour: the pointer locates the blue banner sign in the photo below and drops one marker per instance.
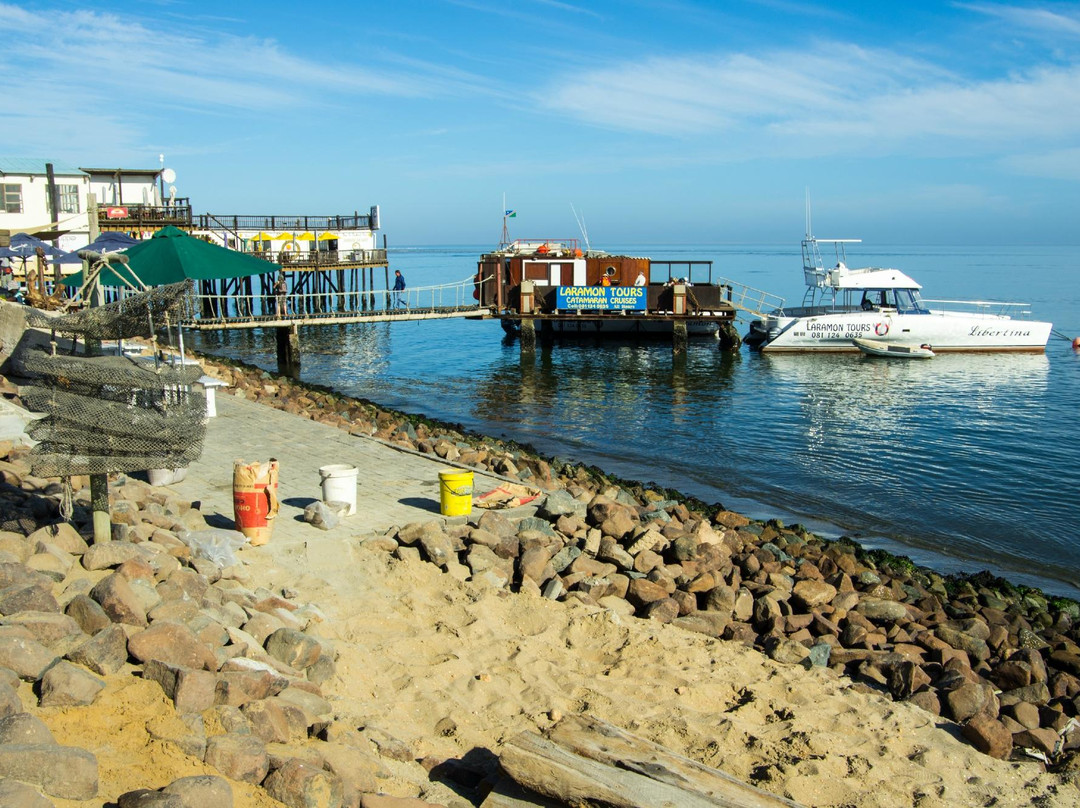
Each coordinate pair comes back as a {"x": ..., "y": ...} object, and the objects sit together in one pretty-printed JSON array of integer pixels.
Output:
[{"x": 602, "y": 298}]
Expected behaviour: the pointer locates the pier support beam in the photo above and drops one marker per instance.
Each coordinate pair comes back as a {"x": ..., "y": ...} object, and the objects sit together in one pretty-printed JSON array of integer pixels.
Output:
[
  {"x": 288, "y": 351},
  {"x": 678, "y": 337},
  {"x": 528, "y": 336},
  {"x": 729, "y": 337}
]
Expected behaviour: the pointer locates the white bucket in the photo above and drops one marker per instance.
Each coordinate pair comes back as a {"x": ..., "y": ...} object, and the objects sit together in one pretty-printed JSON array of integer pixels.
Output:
[{"x": 339, "y": 485}]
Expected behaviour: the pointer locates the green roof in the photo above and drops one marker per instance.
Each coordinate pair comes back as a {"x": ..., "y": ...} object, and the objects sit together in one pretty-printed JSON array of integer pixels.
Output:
[{"x": 34, "y": 165}]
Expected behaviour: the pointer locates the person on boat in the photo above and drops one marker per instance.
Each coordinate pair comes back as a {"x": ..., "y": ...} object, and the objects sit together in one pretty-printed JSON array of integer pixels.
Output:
[
  {"x": 605, "y": 280},
  {"x": 399, "y": 290},
  {"x": 641, "y": 280}
]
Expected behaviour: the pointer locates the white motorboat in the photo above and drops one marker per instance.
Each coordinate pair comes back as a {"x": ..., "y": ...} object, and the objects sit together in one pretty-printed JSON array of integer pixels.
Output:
[
  {"x": 843, "y": 304},
  {"x": 893, "y": 350}
]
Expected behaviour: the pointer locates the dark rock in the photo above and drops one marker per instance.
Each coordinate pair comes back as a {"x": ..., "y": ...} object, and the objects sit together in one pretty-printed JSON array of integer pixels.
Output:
[
  {"x": 663, "y": 611},
  {"x": 173, "y": 643},
  {"x": 27, "y": 658},
  {"x": 29, "y": 594},
  {"x": 201, "y": 791},
  {"x": 67, "y": 685},
  {"x": 238, "y": 757},
  {"x": 116, "y": 596},
  {"x": 109, "y": 554},
  {"x": 300, "y": 785},
  {"x": 104, "y": 653},
  {"x": 295, "y": 648},
  {"x": 14, "y": 794},
  {"x": 969, "y": 700},
  {"x": 1042, "y": 739},
  {"x": 87, "y": 613},
  {"x": 989, "y": 736},
  {"x": 320, "y": 515},
  {"x": 192, "y": 691},
  {"x": 10, "y": 703},
  {"x": 238, "y": 687},
  {"x": 25, "y": 729},
  {"x": 1037, "y": 694},
  {"x": 146, "y": 798},
  {"x": 60, "y": 771}
]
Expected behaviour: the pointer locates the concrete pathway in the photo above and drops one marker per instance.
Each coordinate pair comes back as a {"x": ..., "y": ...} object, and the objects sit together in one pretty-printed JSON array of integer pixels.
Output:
[{"x": 394, "y": 486}]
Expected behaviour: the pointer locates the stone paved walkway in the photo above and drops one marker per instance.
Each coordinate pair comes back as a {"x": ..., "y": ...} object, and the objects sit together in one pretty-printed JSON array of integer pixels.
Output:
[{"x": 394, "y": 487}]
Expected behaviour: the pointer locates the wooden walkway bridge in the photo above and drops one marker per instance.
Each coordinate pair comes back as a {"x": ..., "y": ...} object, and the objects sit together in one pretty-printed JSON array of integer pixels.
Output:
[
  {"x": 293, "y": 308},
  {"x": 284, "y": 311}
]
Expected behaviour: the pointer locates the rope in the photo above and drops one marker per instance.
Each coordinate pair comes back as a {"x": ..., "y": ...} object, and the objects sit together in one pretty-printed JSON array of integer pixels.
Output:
[{"x": 1054, "y": 332}]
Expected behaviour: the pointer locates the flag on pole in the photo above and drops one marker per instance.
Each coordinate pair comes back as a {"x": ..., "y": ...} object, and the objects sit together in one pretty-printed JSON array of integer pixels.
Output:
[{"x": 510, "y": 214}]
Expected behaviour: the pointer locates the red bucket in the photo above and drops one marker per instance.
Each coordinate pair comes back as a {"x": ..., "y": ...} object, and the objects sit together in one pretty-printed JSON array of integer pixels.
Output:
[{"x": 255, "y": 502}]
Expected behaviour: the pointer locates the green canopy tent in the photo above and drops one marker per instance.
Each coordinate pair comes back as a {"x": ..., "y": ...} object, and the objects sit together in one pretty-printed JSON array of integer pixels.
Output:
[{"x": 172, "y": 255}]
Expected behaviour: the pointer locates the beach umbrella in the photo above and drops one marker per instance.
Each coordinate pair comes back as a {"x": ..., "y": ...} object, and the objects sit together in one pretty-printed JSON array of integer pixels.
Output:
[
  {"x": 327, "y": 236},
  {"x": 109, "y": 242},
  {"x": 172, "y": 255},
  {"x": 24, "y": 245},
  {"x": 284, "y": 237},
  {"x": 306, "y": 236}
]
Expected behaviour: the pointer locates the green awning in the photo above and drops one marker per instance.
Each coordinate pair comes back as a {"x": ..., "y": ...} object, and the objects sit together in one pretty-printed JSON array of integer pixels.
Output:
[{"x": 172, "y": 255}]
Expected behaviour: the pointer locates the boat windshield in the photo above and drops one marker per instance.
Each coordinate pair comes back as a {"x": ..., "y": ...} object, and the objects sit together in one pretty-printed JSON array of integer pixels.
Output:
[{"x": 905, "y": 301}]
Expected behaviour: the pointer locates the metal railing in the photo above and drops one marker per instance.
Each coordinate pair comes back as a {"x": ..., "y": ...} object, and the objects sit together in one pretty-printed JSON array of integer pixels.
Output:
[
  {"x": 748, "y": 299},
  {"x": 139, "y": 216},
  {"x": 208, "y": 221},
  {"x": 313, "y": 259},
  {"x": 330, "y": 306},
  {"x": 996, "y": 308}
]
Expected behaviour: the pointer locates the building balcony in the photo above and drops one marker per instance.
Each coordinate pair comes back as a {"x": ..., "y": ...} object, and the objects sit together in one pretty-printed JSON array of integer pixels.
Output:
[{"x": 144, "y": 217}]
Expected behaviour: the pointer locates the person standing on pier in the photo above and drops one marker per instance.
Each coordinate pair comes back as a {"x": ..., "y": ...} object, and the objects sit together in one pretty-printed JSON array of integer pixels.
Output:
[
  {"x": 280, "y": 296},
  {"x": 399, "y": 290}
]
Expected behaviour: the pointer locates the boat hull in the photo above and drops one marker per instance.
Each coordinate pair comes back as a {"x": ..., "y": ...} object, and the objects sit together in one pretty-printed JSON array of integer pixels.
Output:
[
  {"x": 614, "y": 326},
  {"x": 946, "y": 331},
  {"x": 893, "y": 350}
]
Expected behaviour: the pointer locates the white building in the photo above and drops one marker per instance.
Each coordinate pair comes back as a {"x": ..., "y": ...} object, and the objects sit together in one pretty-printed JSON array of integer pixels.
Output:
[{"x": 25, "y": 206}]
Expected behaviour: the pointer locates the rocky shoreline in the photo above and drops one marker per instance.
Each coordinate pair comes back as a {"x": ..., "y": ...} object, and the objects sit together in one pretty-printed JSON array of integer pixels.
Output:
[
  {"x": 1001, "y": 661},
  {"x": 244, "y": 667}
]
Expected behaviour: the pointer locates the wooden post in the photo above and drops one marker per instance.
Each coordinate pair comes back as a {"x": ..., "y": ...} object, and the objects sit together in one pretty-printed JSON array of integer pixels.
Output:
[
  {"x": 678, "y": 337},
  {"x": 99, "y": 483},
  {"x": 528, "y": 335},
  {"x": 288, "y": 350}
]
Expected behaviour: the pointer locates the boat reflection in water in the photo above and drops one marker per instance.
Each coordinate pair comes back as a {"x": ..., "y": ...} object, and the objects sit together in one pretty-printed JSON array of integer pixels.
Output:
[{"x": 872, "y": 444}]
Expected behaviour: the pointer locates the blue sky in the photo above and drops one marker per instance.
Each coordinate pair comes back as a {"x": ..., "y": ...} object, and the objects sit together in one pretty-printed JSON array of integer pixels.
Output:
[{"x": 660, "y": 121}]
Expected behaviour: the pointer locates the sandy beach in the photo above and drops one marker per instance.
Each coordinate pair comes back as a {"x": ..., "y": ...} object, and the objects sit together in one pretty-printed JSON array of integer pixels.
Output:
[
  {"x": 433, "y": 672},
  {"x": 431, "y": 668}
]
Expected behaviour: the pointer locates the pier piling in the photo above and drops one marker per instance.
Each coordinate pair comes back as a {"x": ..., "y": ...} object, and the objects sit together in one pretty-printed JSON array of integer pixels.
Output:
[
  {"x": 288, "y": 350},
  {"x": 678, "y": 337}
]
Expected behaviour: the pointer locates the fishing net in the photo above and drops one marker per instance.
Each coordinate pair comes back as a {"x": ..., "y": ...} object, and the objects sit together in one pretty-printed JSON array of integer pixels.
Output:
[
  {"x": 137, "y": 316},
  {"x": 113, "y": 413}
]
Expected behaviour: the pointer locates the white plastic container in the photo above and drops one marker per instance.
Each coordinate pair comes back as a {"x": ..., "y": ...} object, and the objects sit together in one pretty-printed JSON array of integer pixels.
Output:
[{"x": 339, "y": 485}]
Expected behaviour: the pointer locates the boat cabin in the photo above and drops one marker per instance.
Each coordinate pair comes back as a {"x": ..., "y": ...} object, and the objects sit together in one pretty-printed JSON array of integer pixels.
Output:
[
  {"x": 840, "y": 288},
  {"x": 562, "y": 279}
]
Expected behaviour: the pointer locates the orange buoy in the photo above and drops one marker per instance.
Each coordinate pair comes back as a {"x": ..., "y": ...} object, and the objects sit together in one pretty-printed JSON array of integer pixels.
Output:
[{"x": 1076, "y": 343}]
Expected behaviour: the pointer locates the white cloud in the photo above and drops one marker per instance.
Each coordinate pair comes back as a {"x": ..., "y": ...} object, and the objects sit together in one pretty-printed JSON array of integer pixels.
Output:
[
  {"x": 836, "y": 97},
  {"x": 1032, "y": 19},
  {"x": 1061, "y": 164},
  {"x": 102, "y": 53}
]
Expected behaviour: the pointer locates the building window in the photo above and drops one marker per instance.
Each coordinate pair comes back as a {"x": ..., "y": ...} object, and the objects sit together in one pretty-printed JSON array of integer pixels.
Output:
[
  {"x": 69, "y": 198},
  {"x": 11, "y": 198}
]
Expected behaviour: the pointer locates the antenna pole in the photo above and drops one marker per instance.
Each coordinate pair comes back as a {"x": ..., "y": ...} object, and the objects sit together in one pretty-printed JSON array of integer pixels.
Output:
[{"x": 505, "y": 232}]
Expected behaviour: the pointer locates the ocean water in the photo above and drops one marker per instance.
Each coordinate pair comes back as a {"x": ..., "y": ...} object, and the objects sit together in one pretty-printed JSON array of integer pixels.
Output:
[{"x": 962, "y": 463}]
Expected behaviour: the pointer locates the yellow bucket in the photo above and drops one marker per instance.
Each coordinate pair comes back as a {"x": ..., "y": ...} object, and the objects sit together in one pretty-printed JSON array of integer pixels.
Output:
[{"x": 455, "y": 492}]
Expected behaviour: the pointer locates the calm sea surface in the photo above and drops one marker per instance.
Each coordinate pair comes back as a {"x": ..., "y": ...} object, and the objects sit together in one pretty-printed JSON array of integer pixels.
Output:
[{"x": 963, "y": 463}]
